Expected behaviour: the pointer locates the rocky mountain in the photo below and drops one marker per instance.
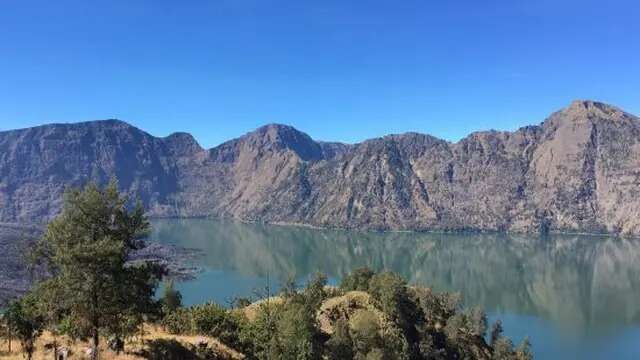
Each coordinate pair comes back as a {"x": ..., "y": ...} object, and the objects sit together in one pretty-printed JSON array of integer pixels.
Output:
[{"x": 578, "y": 171}]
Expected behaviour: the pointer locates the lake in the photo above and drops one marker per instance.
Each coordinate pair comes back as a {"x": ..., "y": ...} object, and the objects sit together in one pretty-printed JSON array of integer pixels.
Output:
[{"x": 574, "y": 296}]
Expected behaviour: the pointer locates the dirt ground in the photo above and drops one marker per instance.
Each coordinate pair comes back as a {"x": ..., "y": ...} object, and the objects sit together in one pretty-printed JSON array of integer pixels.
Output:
[{"x": 78, "y": 350}]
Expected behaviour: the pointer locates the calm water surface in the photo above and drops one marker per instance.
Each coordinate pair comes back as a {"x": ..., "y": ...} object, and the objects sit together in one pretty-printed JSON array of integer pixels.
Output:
[{"x": 575, "y": 297}]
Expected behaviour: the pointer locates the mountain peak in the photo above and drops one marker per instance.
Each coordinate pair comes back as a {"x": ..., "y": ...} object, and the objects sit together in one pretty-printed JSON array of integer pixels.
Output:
[
  {"x": 280, "y": 136},
  {"x": 590, "y": 108}
]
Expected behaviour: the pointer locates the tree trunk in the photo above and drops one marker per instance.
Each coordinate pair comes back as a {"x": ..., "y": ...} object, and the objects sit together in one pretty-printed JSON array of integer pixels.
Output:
[
  {"x": 55, "y": 348},
  {"x": 96, "y": 343},
  {"x": 28, "y": 346}
]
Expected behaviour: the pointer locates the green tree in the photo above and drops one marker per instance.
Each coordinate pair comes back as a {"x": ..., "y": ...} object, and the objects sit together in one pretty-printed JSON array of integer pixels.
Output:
[
  {"x": 340, "y": 345},
  {"x": 357, "y": 280},
  {"x": 171, "y": 298},
  {"x": 523, "y": 352},
  {"x": 213, "y": 320},
  {"x": 365, "y": 331},
  {"x": 87, "y": 248},
  {"x": 477, "y": 322},
  {"x": 314, "y": 293},
  {"x": 496, "y": 332},
  {"x": 49, "y": 309},
  {"x": 503, "y": 349},
  {"x": 25, "y": 323},
  {"x": 390, "y": 294}
]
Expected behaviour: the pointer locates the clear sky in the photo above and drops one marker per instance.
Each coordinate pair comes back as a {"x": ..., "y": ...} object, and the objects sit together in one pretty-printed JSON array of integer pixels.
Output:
[{"x": 336, "y": 69}]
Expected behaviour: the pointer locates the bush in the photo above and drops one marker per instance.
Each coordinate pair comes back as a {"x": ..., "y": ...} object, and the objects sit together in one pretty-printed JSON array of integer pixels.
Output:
[
  {"x": 179, "y": 322},
  {"x": 388, "y": 291},
  {"x": 357, "y": 280},
  {"x": 215, "y": 321},
  {"x": 365, "y": 331},
  {"x": 314, "y": 293},
  {"x": 295, "y": 333},
  {"x": 340, "y": 345},
  {"x": 168, "y": 349}
]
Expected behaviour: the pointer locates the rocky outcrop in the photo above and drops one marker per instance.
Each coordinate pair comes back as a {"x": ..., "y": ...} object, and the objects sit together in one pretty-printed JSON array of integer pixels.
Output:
[{"x": 578, "y": 171}]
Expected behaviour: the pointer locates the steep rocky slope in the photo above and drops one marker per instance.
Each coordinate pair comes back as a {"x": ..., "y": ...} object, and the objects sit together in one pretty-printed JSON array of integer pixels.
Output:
[{"x": 578, "y": 171}]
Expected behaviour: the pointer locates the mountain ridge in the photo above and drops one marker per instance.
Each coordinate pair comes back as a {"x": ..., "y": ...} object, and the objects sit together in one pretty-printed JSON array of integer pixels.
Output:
[{"x": 577, "y": 171}]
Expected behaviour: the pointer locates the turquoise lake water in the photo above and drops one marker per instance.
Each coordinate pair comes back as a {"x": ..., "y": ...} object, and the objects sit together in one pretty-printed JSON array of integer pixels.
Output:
[{"x": 575, "y": 297}]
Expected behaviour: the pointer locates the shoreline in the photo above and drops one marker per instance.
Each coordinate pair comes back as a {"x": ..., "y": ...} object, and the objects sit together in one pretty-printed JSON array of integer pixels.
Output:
[{"x": 392, "y": 231}]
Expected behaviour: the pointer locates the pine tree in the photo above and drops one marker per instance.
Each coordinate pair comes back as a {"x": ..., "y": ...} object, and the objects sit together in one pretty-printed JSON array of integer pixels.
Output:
[
  {"x": 171, "y": 298},
  {"x": 87, "y": 249}
]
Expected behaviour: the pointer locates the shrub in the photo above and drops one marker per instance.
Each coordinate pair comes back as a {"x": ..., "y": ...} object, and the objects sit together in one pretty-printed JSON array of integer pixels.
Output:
[
  {"x": 365, "y": 331},
  {"x": 179, "y": 322},
  {"x": 340, "y": 345},
  {"x": 168, "y": 349},
  {"x": 213, "y": 320},
  {"x": 523, "y": 352},
  {"x": 388, "y": 291},
  {"x": 438, "y": 306},
  {"x": 496, "y": 332},
  {"x": 296, "y": 334},
  {"x": 314, "y": 293},
  {"x": 503, "y": 349},
  {"x": 357, "y": 280}
]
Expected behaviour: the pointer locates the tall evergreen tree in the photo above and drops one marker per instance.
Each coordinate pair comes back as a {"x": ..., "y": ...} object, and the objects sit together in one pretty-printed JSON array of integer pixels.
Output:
[{"x": 87, "y": 249}]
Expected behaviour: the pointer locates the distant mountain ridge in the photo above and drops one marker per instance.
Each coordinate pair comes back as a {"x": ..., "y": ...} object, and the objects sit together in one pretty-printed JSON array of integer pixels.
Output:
[{"x": 578, "y": 171}]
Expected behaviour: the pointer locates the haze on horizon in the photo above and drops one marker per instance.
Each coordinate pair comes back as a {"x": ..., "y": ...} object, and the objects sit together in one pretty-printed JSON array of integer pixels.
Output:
[{"x": 340, "y": 71}]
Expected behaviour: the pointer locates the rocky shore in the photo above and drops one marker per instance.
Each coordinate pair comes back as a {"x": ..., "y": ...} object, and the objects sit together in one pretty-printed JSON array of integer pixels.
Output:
[{"x": 17, "y": 240}]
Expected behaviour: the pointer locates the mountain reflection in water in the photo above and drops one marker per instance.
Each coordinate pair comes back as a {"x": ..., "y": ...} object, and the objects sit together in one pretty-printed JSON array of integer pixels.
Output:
[{"x": 582, "y": 285}]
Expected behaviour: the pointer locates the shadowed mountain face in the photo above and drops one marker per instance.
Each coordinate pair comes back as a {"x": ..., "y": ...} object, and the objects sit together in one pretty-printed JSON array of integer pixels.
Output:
[{"x": 578, "y": 171}]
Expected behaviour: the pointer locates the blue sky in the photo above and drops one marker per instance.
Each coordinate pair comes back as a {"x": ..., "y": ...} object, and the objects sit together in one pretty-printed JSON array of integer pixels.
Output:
[{"x": 336, "y": 69}]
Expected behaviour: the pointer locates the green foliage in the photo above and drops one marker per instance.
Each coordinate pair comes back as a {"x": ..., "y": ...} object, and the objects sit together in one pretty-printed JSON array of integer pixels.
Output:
[
  {"x": 477, "y": 322},
  {"x": 389, "y": 291},
  {"x": 438, "y": 306},
  {"x": 314, "y": 293},
  {"x": 171, "y": 298},
  {"x": 390, "y": 294},
  {"x": 340, "y": 345},
  {"x": 213, "y": 320},
  {"x": 257, "y": 336},
  {"x": 288, "y": 330},
  {"x": 365, "y": 331},
  {"x": 503, "y": 349},
  {"x": 358, "y": 280},
  {"x": 178, "y": 322},
  {"x": 207, "y": 319},
  {"x": 295, "y": 334},
  {"x": 523, "y": 352},
  {"x": 24, "y": 323},
  {"x": 94, "y": 289},
  {"x": 6, "y": 333},
  {"x": 241, "y": 302},
  {"x": 168, "y": 349},
  {"x": 472, "y": 323},
  {"x": 496, "y": 332},
  {"x": 415, "y": 324}
]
